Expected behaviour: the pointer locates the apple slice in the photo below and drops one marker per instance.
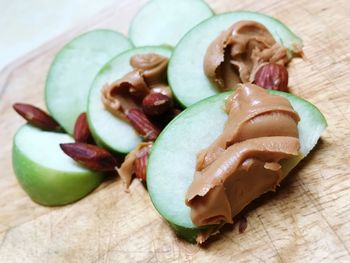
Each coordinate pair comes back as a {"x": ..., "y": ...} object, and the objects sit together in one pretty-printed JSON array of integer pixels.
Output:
[
  {"x": 73, "y": 70},
  {"x": 48, "y": 175},
  {"x": 108, "y": 131},
  {"x": 173, "y": 157},
  {"x": 186, "y": 72},
  {"x": 162, "y": 22}
]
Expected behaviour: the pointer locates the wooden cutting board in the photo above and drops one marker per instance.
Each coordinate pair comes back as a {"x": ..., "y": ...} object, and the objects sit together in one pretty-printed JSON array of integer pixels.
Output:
[{"x": 306, "y": 220}]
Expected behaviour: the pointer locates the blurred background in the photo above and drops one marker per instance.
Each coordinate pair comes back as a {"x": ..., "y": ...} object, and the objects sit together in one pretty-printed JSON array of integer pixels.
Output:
[{"x": 27, "y": 24}]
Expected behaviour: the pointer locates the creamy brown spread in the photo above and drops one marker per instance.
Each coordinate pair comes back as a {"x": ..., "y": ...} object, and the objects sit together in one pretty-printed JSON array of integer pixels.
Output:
[
  {"x": 126, "y": 170},
  {"x": 148, "y": 75},
  {"x": 244, "y": 161},
  {"x": 237, "y": 53}
]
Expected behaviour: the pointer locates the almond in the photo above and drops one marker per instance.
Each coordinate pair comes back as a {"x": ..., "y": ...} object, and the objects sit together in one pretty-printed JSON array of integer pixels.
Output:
[
  {"x": 140, "y": 163},
  {"x": 155, "y": 104},
  {"x": 162, "y": 121},
  {"x": 272, "y": 76},
  {"x": 81, "y": 129},
  {"x": 142, "y": 124},
  {"x": 163, "y": 89},
  {"x": 36, "y": 117},
  {"x": 90, "y": 156},
  {"x": 243, "y": 223}
]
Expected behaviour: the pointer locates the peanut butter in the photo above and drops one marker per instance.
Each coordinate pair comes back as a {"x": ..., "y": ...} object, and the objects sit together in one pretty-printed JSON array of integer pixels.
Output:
[
  {"x": 237, "y": 53},
  {"x": 148, "y": 74},
  {"x": 244, "y": 161},
  {"x": 153, "y": 67}
]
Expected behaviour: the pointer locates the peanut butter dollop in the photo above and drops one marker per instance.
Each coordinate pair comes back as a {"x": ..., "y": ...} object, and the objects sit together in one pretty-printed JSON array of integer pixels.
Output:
[
  {"x": 244, "y": 161},
  {"x": 237, "y": 53},
  {"x": 149, "y": 72}
]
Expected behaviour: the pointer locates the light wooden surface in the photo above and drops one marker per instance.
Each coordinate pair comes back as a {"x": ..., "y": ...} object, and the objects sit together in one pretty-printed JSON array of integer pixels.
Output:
[{"x": 307, "y": 220}]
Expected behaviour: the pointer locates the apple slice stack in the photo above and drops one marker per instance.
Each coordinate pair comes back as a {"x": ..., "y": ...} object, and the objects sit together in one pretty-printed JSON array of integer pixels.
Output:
[{"x": 56, "y": 168}]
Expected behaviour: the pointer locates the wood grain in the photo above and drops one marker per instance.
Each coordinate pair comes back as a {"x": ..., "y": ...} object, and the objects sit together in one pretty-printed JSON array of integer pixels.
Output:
[{"x": 306, "y": 220}]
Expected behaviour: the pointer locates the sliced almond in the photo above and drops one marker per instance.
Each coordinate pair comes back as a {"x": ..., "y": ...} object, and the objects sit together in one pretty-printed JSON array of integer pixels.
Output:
[
  {"x": 142, "y": 124},
  {"x": 90, "y": 156},
  {"x": 140, "y": 163},
  {"x": 155, "y": 104},
  {"x": 36, "y": 117},
  {"x": 81, "y": 129}
]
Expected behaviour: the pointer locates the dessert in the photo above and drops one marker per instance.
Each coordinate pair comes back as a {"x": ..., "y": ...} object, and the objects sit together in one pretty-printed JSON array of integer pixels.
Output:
[
  {"x": 173, "y": 158},
  {"x": 128, "y": 92},
  {"x": 139, "y": 95},
  {"x": 208, "y": 163},
  {"x": 108, "y": 130},
  {"x": 187, "y": 69},
  {"x": 245, "y": 160},
  {"x": 238, "y": 53}
]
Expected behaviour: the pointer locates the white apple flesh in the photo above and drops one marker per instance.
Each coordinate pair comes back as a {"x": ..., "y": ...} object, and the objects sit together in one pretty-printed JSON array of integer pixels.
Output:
[{"x": 47, "y": 174}]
